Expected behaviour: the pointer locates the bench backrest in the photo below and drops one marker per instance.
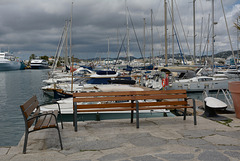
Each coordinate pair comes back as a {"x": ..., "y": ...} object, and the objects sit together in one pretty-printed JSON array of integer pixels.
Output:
[
  {"x": 30, "y": 108},
  {"x": 121, "y": 99}
]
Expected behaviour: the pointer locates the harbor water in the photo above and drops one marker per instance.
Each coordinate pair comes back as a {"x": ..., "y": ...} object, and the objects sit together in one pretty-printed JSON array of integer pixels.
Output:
[{"x": 15, "y": 88}]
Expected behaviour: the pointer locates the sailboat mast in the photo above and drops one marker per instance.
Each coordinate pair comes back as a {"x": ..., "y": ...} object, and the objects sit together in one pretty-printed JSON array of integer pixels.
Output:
[
  {"x": 144, "y": 43},
  {"x": 127, "y": 32},
  {"x": 238, "y": 39},
  {"x": 172, "y": 34},
  {"x": 165, "y": 20},
  {"x": 208, "y": 33},
  {"x": 194, "y": 34},
  {"x": 70, "y": 51},
  {"x": 213, "y": 36},
  {"x": 108, "y": 53},
  {"x": 66, "y": 47},
  {"x": 70, "y": 36},
  {"x": 152, "y": 34}
]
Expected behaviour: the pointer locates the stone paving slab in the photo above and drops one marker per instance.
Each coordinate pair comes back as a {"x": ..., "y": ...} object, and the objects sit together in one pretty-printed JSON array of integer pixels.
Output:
[{"x": 157, "y": 139}]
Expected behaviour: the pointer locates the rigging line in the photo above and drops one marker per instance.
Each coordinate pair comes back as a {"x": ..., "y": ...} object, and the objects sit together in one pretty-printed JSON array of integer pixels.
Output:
[
  {"x": 121, "y": 48},
  {"x": 229, "y": 35},
  {"x": 135, "y": 33},
  {"x": 161, "y": 46},
  {"x": 59, "y": 48},
  {"x": 183, "y": 30},
  {"x": 176, "y": 34},
  {"x": 206, "y": 41}
]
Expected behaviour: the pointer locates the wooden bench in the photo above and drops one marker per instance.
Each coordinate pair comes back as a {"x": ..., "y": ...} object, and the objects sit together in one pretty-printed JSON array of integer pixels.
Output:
[
  {"x": 130, "y": 101},
  {"x": 32, "y": 116}
]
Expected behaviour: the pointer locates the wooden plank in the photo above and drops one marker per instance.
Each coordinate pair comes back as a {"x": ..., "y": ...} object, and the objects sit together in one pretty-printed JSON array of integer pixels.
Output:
[
  {"x": 46, "y": 121},
  {"x": 164, "y": 107},
  {"x": 39, "y": 123},
  {"x": 99, "y": 99},
  {"x": 28, "y": 103},
  {"x": 30, "y": 122},
  {"x": 127, "y": 93},
  {"x": 124, "y": 98},
  {"x": 102, "y": 110},
  {"x": 108, "y": 105},
  {"x": 31, "y": 108},
  {"x": 162, "y": 103},
  {"x": 53, "y": 122}
]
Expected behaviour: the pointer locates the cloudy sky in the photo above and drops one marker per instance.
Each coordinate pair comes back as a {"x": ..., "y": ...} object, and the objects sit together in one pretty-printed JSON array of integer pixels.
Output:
[{"x": 35, "y": 27}]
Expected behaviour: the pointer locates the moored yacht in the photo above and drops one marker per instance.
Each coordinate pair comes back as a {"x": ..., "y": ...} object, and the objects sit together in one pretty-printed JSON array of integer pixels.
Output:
[
  {"x": 39, "y": 64},
  {"x": 9, "y": 62}
]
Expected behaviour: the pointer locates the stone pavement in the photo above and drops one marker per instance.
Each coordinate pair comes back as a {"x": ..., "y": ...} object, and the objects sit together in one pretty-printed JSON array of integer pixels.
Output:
[{"x": 157, "y": 139}]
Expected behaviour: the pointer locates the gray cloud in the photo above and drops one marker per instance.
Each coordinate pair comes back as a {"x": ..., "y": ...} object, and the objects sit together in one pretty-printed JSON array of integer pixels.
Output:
[{"x": 31, "y": 26}]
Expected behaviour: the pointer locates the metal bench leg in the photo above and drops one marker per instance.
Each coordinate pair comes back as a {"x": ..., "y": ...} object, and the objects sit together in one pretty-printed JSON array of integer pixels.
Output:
[
  {"x": 137, "y": 114},
  {"x": 185, "y": 113},
  {"x": 132, "y": 116},
  {"x": 132, "y": 112},
  {"x": 25, "y": 142},
  {"x": 60, "y": 139},
  {"x": 194, "y": 112},
  {"x": 59, "y": 112},
  {"x": 75, "y": 117}
]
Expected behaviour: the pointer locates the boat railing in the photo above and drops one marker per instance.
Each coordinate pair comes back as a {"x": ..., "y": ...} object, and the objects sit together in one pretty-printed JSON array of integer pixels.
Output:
[{"x": 227, "y": 96}]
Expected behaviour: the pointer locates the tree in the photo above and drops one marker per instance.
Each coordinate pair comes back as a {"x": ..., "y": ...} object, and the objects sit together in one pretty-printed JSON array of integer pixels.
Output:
[
  {"x": 44, "y": 57},
  {"x": 32, "y": 56}
]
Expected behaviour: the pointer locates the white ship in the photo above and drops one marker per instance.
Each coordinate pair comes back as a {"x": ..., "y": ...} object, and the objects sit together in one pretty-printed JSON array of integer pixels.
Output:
[
  {"x": 39, "y": 64},
  {"x": 9, "y": 62}
]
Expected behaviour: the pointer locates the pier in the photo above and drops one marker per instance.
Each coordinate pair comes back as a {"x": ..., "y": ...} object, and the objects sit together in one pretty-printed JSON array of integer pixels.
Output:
[{"x": 157, "y": 139}]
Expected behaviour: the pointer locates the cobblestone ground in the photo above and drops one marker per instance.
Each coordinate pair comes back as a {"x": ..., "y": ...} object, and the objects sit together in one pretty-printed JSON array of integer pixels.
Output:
[{"x": 166, "y": 139}]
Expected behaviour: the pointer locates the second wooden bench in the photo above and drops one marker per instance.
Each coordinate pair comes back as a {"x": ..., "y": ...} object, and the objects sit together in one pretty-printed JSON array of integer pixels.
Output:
[{"x": 130, "y": 101}]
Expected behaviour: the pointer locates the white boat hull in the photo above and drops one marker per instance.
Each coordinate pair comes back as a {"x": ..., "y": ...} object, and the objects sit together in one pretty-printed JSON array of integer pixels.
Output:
[{"x": 9, "y": 65}]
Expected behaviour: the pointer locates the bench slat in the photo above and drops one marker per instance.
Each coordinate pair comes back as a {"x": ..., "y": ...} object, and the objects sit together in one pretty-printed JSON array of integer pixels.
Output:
[
  {"x": 127, "y": 93},
  {"x": 31, "y": 108},
  {"x": 164, "y": 107},
  {"x": 111, "y": 105},
  {"x": 30, "y": 122},
  {"x": 101, "y": 110},
  {"x": 107, "y": 105},
  {"x": 124, "y": 98},
  {"x": 53, "y": 120},
  {"x": 28, "y": 103}
]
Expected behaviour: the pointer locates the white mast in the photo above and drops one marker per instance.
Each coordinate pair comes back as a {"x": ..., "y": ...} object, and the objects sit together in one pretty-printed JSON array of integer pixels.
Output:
[
  {"x": 127, "y": 32},
  {"x": 152, "y": 35},
  {"x": 194, "y": 34},
  {"x": 172, "y": 35},
  {"x": 213, "y": 36},
  {"x": 70, "y": 51},
  {"x": 208, "y": 33},
  {"x": 144, "y": 43},
  {"x": 108, "y": 53},
  {"x": 165, "y": 18},
  {"x": 66, "y": 48}
]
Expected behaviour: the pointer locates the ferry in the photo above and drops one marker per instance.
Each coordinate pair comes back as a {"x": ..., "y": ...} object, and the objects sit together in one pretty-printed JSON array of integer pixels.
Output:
[
  {"x": 39, "y": 64},
  {"x": 10, "y": 62}
]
